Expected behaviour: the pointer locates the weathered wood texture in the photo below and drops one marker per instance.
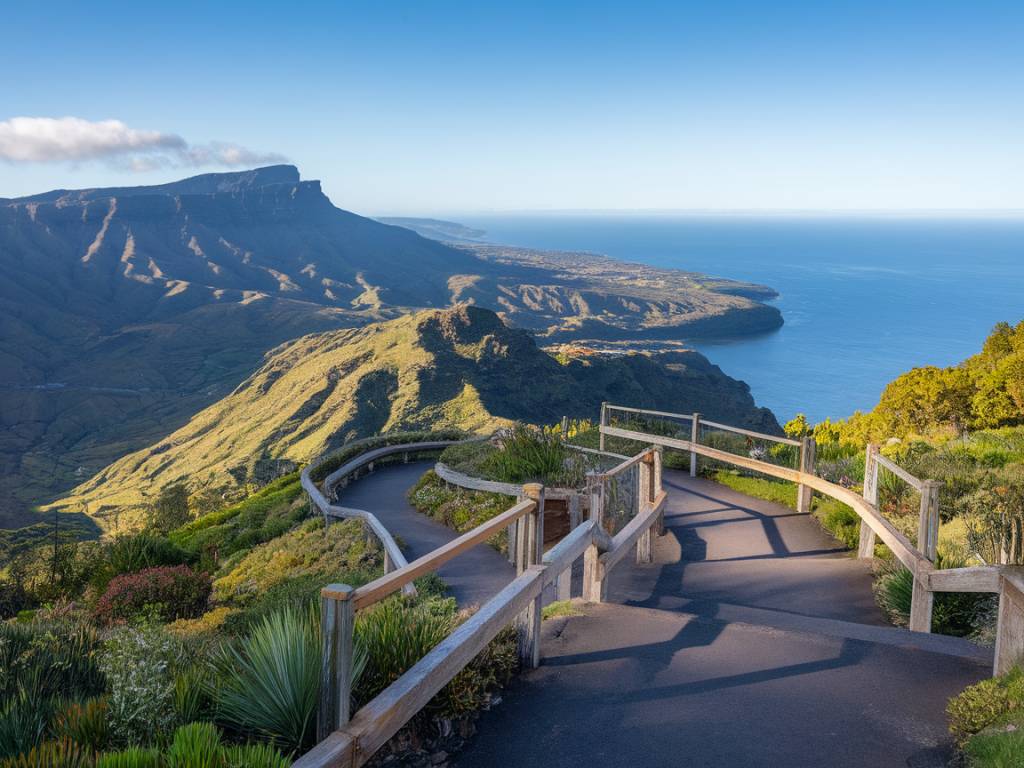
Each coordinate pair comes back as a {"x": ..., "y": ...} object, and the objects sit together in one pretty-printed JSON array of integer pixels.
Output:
[
  {"x": 1010, "y": 629},
  {"x": 804, "y": 493},
  {"x": 470, "y": 483},
  {"x": 866, "y": 544}
]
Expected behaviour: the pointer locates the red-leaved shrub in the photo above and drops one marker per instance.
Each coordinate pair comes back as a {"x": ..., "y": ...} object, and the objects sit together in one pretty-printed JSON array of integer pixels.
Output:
[{"x": 171, "y": 593}]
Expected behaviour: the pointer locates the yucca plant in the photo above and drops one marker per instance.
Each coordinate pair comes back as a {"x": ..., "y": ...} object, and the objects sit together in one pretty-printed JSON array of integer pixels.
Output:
[
  {"x": 133, "y": 757},
  {"x": 191, "y": 696},
  {"x": 269, "y": 682},
  {"x": 196, "y": 745}
]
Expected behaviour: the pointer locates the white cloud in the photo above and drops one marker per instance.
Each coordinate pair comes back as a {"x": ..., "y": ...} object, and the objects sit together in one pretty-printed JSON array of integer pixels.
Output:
[{"x": 49, "y": 139}]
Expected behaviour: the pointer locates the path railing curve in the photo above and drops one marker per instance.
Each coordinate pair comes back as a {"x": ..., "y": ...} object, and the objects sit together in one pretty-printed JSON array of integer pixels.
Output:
[
  {"x": 1006, "y": 581},
  {"x": 350, "y": 739}
]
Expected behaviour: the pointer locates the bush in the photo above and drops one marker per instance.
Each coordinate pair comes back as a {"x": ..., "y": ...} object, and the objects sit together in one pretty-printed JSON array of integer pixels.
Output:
[
  {"x": 84, "y": 723},
  {"x": 141, "y": 664},
  {"x": 457, "y": 508},
  {"x": 48, "y": 659},
  {"x": 342, "y": 552},
  {"x": 998, "y": 746},
  {"x": 133, "y": 757},
  {"x": 269, "y": 682},
  {"x": 979, "y": 706},
  {"x": 133, "y": 553},
  {"x": 51, "y": 754},
  {"x": 169, "y": 592}
]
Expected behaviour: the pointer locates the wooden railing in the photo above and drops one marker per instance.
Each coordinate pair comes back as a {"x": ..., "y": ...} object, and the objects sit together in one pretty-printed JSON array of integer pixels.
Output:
[
  {"x": 352, "y": 741},
  {"x": 1006, "y": 581}
]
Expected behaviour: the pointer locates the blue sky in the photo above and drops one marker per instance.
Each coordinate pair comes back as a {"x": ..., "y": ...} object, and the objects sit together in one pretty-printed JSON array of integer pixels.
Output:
[{"x": 435, "y": 107}]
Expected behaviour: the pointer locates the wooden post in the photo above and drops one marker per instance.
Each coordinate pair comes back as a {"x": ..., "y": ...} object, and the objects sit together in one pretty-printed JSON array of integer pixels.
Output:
[
  {"x": 337, "y": 623},
  {"x": 529, "y": 620},
  {"x": 921, "y": 602},
  {"x": 564, "y": 583},
  {"x": 645, "y": 494},
  {"x": 928, "y": 520},
  {"x": 565, "y": 428},
  {"x": 657, "y": 479},
  {"x": 804, "y": 494},
  {"x": 389, "y": 565},
  {"x": 603, "y": 423},
  {"x": 1010, "y": 628},
  {"x": 594, "y": 587},
  {"x": 866, "y": 546},
  {"x": 512, "y": 535},
  {"x": 695, "y": 439}
]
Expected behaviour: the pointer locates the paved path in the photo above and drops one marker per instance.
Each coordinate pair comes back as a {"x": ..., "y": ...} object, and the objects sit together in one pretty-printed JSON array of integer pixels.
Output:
[
  {"x": 753, "y": 640},
  {"x": 473, "y": 577}
]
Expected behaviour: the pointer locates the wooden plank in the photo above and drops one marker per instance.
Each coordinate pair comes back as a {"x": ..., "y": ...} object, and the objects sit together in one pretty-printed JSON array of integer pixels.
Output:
[
  {"x": 646, "y": 412},
  {"x": 570, "y": 549},
  {"x": 982, "y": 578},
  {"x": 866, "y": 541},
  {"x": 364, "y": 459},
  {"x": 804, "y": 495},
  {"x": 336, "y": 751},
  {"x": 694, "y": 439},
  {"x": 899, "y": 471},
  {"x": 751, "y": 433},
  {"x": 382, "y": 718},
  {"x": 449, "y": 475},
  {"x": 628, "y": 536},
  {"x": 921, "y": 603},
  {"x": 1009, "y": 649},
  {"x": 384, "y": 586},
  {"x": 621, "y": 467}
]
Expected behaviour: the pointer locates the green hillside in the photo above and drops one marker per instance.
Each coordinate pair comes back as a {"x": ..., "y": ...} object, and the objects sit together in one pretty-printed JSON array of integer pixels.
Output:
[{"x": 461, "y": 368}]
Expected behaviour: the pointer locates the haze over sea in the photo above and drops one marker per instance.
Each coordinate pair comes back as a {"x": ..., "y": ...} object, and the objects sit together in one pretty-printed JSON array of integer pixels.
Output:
[{"x": 864, "y": 297}]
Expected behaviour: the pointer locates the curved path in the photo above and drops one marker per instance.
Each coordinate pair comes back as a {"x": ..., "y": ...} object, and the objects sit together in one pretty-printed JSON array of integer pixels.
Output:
[
  {"x": 752, "y": 640},
  {"x": 473, "y": 578}
]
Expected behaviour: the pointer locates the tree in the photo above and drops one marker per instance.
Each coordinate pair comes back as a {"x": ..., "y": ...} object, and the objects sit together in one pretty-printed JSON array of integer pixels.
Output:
[{"x": 170, "y": 510}]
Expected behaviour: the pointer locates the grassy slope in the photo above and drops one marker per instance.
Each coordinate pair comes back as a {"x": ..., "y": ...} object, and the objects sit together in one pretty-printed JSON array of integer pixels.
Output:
[{"x": 457, "y": 368}]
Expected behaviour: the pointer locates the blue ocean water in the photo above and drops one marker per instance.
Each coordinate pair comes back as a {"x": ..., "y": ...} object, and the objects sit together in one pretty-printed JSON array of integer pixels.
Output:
[{"x": 864, "y": 298}]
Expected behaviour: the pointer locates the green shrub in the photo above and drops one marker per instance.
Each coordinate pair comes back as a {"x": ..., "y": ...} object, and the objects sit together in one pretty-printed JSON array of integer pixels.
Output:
[
  {"x": 196, "y": 745},
  {"x": 132, "y": 553},
  {"x": 133, "y": 757},
  {"x": 269, "y": 682},
  {"x": 171, "y": 593},
  {"x": 979, "y": 706},
  {"x": 23, "y": 722},
  {"x": 49, "y": 659},
  {"x": 457, "y": 508},
  {"x": 253, "y": 756},
  {"x": 140, "y": 664},
  {"x": 342, "y": 552},
  {"x": 84, "y": 723}
]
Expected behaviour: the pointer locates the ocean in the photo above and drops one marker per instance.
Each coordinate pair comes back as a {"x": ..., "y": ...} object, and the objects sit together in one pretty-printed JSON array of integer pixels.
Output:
[{"x": 864, "y": 298}]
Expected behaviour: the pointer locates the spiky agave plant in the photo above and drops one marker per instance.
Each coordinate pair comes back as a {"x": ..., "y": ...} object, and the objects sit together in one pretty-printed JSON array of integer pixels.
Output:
[{"x": 268, "y": 683}]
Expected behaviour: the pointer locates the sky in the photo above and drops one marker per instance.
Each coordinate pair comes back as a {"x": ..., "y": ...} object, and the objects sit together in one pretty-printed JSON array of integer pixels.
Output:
[{"x": 438, "y": 107}]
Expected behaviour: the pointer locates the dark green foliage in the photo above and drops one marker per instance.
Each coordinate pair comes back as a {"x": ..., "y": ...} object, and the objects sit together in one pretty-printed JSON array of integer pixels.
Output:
[
  {"x": 51, "y": 754},
  {"x": 133, "y": 757},
  {"x": 48, "y": 659},
  {"x": 85, "y": 723},
  {"x": 167, "y": 592},
  {"x": 196, "y": 745},
  {"x": 135, "y": 552},
  {"x": 170, "y": 510}
]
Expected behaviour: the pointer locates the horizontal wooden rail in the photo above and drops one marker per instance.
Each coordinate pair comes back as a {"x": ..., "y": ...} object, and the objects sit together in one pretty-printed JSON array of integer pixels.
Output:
[
  {"x": 627, "y": 538},
  {"x": 899, "y": 471},
  {"x": 471, "y": 483},
  {"x": 750, "y": 433},
  {"x": 378, "y": 589},
  {"x": 621, "y": 467},
  {"x": 646, "y": 412},
  {"x": 595, "y": 451},
  {"x": 894, "y": 539},
  {"x": 983, "y": 578}
]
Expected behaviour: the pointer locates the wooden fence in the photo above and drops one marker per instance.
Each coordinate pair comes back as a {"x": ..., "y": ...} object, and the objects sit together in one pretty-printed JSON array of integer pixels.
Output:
[
  {"x": 351, "y": 739},
  {"x": 1006, "y": 581}
]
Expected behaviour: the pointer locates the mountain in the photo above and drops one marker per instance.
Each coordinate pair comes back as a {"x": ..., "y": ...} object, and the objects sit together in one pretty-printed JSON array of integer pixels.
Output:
[
  {"x": 125, "y": 311},
  {"x": 461, "y": 367}
]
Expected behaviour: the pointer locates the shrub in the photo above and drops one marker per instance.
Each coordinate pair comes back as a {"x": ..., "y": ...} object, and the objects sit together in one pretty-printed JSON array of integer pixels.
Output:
[
  {"x": 979, "y": 706},
  {"x": 269, "y": 682},
  {"x": 49, "y": 659},
  {"x": 23, "y": 722},
  {"x": 84, "y": 723},
  {"x": 253, "y": 756},
  {"x": 140, "y": 664},
  {"x": 170, "y": 592},
  {"x": 133, "y": 757},
  {"x": 133, "y": 553},
  {"x": 51, "y": 754},
  {"x": 342, "y": 551},
  {"x": 196, "y": 745},
  {"x": 205, "y": 627},
  {"x": 457, "y": 508}
]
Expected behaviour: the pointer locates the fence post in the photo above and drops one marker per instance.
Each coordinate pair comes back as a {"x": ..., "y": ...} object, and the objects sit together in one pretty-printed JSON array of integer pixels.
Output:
[
  {"x": 921, "y": 602},
  {"x": 530, "y": 618},
  {"x": 645, "y": 495},
  {"x": 512, "y": 533},
  {"x": 337, "y": 623},
  {"x": 603, "y": 423},
  {"x": 866, "y": 545},
  {"x": 564, "y": 582},
  {"x": 804, "y": 494},
  {"x": 565, "y": 428},
  {"x": 928, "y": 520},
  {"x": 1010, "y": 626},
  {"x": 695, "y": 439},
  {"x": 593, "y": 584},
  {"x": 659, "y": 459}
]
